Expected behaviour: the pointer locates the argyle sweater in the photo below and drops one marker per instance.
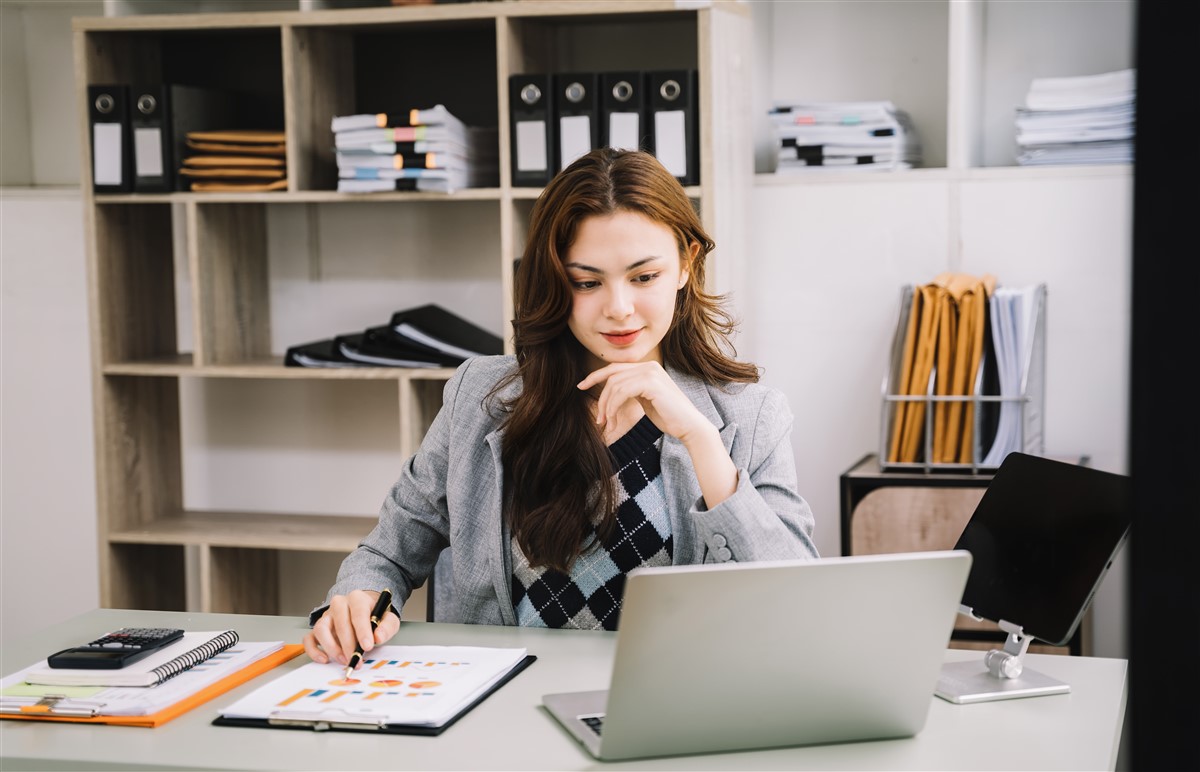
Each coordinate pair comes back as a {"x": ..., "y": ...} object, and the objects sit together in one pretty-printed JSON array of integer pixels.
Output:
[{"x": 590, "y": 597}]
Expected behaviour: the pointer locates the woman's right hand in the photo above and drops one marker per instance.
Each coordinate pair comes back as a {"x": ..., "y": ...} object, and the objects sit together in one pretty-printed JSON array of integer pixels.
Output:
[{"x": 347, "y": 624}]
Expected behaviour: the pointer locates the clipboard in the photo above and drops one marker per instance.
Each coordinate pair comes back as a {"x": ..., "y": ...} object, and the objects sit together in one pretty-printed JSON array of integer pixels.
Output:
[
  {"x": 269, "y": 662},
  {"x": 346, "y": 722}
]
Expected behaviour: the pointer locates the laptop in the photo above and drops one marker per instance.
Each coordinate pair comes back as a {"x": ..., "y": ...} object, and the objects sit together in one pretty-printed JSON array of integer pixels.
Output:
[{"x": 735, "y": 656}]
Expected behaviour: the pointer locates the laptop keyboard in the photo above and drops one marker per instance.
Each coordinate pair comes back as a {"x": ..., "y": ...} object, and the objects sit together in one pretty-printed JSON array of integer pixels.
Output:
[{"x": 595, "y": 722}]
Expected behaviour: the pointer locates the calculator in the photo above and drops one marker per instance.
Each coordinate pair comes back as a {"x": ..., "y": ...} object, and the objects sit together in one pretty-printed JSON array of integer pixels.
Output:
[{"x": 117, "y": 649}]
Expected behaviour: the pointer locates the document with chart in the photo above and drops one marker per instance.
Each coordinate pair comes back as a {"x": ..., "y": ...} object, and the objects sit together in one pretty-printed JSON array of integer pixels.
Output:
[{"x": 408, "y": 689}]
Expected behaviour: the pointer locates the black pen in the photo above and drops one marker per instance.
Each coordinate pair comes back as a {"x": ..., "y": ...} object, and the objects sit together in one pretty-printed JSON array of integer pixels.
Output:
[{"x": 381, "y": 607}]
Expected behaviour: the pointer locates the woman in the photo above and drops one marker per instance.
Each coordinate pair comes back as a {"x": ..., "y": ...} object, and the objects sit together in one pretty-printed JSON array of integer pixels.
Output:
[{"x": 622, "y": 434}]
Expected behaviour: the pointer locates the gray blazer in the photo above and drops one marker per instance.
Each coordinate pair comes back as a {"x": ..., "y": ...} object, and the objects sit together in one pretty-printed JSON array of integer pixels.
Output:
[{"x": 449, "y": 494}]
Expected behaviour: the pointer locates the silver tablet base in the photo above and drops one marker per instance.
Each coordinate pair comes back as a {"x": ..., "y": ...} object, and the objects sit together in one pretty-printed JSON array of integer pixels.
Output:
[{"x": 967, "y": 682}]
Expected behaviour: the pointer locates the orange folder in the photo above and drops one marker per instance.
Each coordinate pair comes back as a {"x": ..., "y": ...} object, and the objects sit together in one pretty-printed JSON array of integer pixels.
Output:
[
  {"x": 920, "y": 346},
  {"x": 959, "y": 351},
  {"x": 289, "y": 651}
]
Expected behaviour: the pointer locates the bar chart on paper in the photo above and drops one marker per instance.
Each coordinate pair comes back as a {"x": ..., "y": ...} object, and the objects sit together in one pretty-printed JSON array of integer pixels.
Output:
[{"x": 419, "y": 685}]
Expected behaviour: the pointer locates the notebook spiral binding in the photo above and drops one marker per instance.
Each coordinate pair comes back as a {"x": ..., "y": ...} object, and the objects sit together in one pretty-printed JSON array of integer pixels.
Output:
[{"x": 197, "y": 655}]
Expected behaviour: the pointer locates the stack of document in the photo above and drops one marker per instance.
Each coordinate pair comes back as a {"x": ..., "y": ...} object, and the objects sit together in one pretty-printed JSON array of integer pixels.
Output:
[
  {"x": 843, "y": 136},
  {"x": 1014, "y": 315},
  {"x": 1082, "y": 120},
  {"x": 235, "y": 160},
  {"x": 938, "y": 349},
  {"x": 424, "y": 337},
  {"x": 424, "y": 149}
]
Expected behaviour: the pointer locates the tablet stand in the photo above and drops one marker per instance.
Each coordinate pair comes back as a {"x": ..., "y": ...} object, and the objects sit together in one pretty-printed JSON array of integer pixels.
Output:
[{"x": 1001, "y": 675}]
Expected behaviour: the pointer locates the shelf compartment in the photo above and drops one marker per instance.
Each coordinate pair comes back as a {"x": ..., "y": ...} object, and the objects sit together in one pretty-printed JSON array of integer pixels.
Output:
[
  {"x": 135, "y": 278},
  {"x": 580, "y": 42},
  {"x": 302, "y": 197},
  {"x": 246, "y": 62},
  {"x": 347, "y": 70},
  {"x": 228, "y": 245},
  {"x": 1017, "y": 42},
  {"x": 239, "y": 580},
  {"x": 896, "y": 51},
  {"x": 143, "y": 576},
  {"x": 251, "y": 530}
]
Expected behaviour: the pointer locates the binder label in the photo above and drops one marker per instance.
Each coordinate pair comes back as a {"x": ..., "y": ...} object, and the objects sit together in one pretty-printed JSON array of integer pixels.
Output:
[
  {"x": 531, "y": 146},
  {"x": 623, "y": 131},
  {"x": 147, "y": 152},
  {"x": 576, "y": 137},
  {"x": 670, "y": 141},
  {"x": 106, "y": 154}
]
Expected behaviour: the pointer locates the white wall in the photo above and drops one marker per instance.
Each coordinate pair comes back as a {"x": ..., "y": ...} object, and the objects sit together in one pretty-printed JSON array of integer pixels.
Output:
[
  {"x": 824, "y": 272},
  {"x": 48, "y": 563},
  {"x": 47, "y": 474}
]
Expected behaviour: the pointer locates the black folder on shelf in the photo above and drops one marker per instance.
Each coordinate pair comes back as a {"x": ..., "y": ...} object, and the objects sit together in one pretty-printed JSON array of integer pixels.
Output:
[
  {"x": 577, "y": 113},
  {"x": 674, "y": 117},
  {"x": 533, "y": 131},
  {"x": 321, "y": 353},
  {"x": 434, "y": 329},
  {"x": 108, "y": 126},
  {"x": 381, "y": 347},
  {"x": 623, "y": 110},
  {"x": 349, "y": 351},
  {"x": 414, "y": 729},
  {"x": 160, "y": 118}
]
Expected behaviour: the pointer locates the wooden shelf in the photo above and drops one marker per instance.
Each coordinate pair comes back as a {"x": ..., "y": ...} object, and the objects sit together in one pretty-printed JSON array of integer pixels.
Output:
[
  {"x": 1015, "y": 173},
  {"x": 252, "y": 530},
  {"x": 182, "y": 366},
  {"x": 297, "y": 197}
]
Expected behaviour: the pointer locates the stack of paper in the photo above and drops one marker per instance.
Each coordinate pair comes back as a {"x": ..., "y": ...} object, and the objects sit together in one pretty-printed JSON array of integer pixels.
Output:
[
  {"x": 423, "y": 149},
  {"x": 1082, "y": 120},
  {"x": 843, "y": 136},
  {"x": 1013, "y": 317},
  {"x": 236, "y": 160},
  {"x": 426, "y": 336}
]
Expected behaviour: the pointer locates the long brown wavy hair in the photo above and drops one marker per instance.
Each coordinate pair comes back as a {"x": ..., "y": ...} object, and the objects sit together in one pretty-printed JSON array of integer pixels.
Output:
[{"x": 557, "y": 469}]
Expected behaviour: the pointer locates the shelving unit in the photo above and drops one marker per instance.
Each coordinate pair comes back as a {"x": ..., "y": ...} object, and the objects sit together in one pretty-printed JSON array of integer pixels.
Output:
[
  {"x": 191, "y": 288},
  {"x": 958, "y": 67}
]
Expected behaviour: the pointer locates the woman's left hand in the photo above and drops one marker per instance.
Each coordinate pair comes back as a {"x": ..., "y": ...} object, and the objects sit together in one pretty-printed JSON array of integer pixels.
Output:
[{"x": 650, "y": 385}]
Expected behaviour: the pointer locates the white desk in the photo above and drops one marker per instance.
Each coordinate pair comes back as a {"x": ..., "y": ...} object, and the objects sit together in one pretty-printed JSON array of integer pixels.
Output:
[{"x": 510, "y": 730}]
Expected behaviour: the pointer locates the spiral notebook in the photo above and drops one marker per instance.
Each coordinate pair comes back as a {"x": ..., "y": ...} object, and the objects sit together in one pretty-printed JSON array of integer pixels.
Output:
[{"x": 182, "y": 655}]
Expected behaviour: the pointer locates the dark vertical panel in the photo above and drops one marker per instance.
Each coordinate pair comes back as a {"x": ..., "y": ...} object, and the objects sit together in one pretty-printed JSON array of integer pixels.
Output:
[{"x": 1164, "y": 425}]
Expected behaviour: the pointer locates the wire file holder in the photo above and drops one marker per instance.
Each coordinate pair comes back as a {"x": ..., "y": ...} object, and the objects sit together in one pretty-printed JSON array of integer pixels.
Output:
[{"x": 1028, "y": 403}]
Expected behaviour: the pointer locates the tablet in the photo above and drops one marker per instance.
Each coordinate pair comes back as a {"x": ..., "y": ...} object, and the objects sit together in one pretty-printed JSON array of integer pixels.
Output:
[{"x": 1042, "y": 538}]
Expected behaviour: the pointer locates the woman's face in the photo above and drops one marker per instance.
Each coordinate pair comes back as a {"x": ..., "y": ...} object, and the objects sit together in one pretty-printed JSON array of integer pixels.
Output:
[{"x": 625, "y": 270}]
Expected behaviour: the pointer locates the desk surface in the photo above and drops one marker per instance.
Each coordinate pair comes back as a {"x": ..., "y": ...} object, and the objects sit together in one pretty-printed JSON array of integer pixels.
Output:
[{"x": 510, "y": 730}]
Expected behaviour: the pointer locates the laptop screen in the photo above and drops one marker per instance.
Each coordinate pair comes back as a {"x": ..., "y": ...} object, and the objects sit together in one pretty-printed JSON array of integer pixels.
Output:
[{"x": 1042, "y": 538}]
